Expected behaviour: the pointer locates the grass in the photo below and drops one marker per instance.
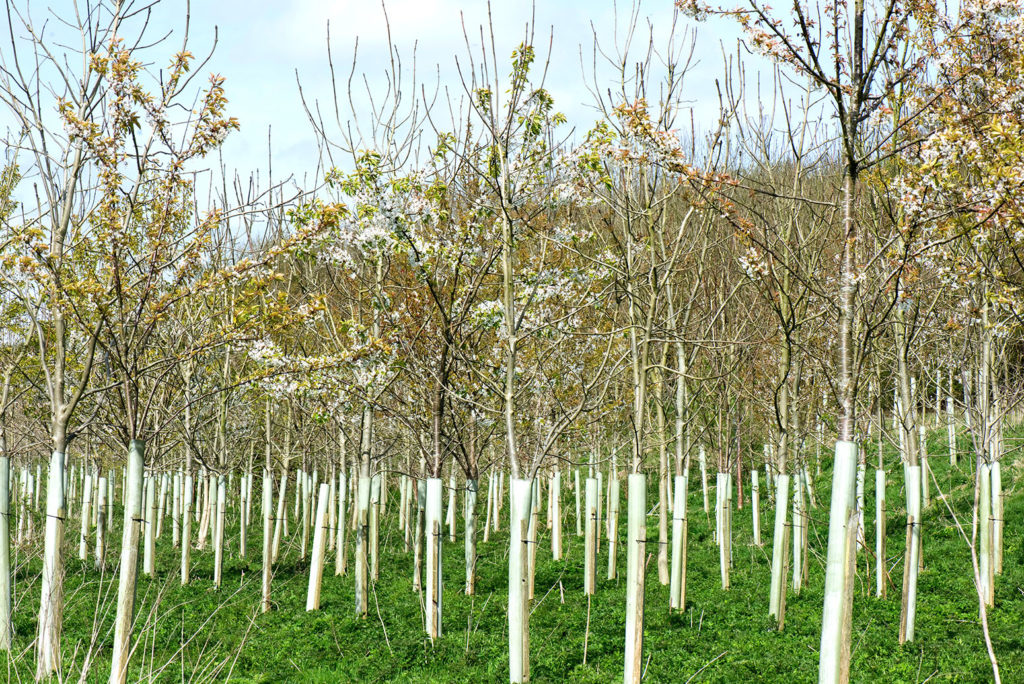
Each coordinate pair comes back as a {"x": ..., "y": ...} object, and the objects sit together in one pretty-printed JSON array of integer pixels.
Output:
[{"x": 200, "y": 633}]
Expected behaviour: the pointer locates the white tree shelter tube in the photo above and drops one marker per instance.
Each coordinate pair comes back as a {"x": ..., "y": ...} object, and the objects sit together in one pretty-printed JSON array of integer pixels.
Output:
[
  {"x": 950, "y": 431},
  {"x": 6, "y": 625},
  {"x": 376, "y": 491},
  {"x": 880, "y": 560},
  {"x": 985, "y": 561},
  {"x": 722, "y": 528},
  {"x": 332, "y": 509},
  {"x": 341, "y": 557},
  {"x": 129, "y": 564},
  {"x": 755, "y": 488},
  {"x": 520, "y": 495},
  {"x": 320, "y": 532},
  {"x": 268, "y": 536},
  {"x": 613, "y": 526},
  {"x": 799, "y": 528},
  {"x": 997, "y": 518},
  {"x": 434, "y": 532},
  {"x": 83, "y": 537},
  {"x": 677, "y": 585},
  {"x": 703, "y": 461},
  {"x": 149, "y": 515},
  {"x": 450, "y": 515},
  {"x": 51, "y": 599},
  {"x": 636, "y": 557},
  {"x": 922, "y": 442},
  {"x": 101, "y": 523},
  {"x": 186, "y": 529},
  {"x": 776, "y": 596},
  {"x": 531, "y": 545},
  {"x": 469, "y": 546},
  {"x": 418, "y": 533},
  {"x": 362, "y": 542},
  {"x": 590, "y": 538},
  {"x": 490, "y": 505},
  {"x": 162, "y": 505},
  {"x": 834, "y": 653},
  {"x": 576, "y": 490},
  {"x": 910, "y": 571},
  {"x": 218, "y": 529},
  {"x": 279, "y": 519},
  {"x": 403, "y": 503},
  {"x": 555, "y": 513}
]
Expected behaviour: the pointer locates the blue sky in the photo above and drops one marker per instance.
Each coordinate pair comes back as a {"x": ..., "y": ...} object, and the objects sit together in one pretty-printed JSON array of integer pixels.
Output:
[{"x": 263, "y": 44}]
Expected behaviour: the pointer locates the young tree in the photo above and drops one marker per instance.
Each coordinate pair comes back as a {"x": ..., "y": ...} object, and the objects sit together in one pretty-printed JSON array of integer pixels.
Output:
[{"x": 853, "y": 54}]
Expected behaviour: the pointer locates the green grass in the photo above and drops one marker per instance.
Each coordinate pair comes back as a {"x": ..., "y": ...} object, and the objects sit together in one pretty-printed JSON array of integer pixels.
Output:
[{"x": 723, "y": 636}]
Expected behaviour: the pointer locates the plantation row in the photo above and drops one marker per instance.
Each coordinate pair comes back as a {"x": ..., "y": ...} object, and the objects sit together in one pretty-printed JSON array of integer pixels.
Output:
[{"x": 305, "y": 537}]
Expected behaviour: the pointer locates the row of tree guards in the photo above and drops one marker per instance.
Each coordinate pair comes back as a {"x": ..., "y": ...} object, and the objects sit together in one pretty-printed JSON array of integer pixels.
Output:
[{"x": 329, "y": 508}]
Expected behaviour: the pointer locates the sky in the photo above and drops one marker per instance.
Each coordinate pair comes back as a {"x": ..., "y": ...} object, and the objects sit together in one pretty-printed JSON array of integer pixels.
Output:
[{"x": 264, "y": 49}]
